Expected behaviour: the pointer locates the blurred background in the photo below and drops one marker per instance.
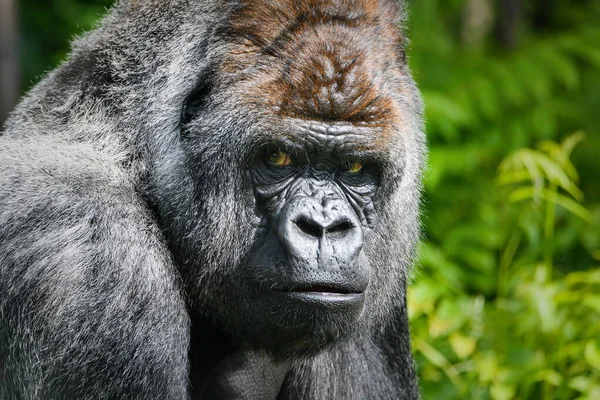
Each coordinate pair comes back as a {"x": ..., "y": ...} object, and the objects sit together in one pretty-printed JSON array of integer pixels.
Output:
[{"x": 505, "y": 302}]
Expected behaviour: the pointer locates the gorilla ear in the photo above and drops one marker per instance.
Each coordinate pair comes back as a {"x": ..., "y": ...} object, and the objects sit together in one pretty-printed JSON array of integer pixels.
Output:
[{"x": 194, "y": 102}]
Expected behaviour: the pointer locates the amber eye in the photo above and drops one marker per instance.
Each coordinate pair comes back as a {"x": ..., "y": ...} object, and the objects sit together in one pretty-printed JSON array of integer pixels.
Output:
[
  {"x": 353, "y": 167},
  {"x": 279, "y": 158}
]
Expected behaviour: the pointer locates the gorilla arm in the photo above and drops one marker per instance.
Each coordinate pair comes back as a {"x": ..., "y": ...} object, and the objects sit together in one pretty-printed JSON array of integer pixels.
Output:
[{"x": 90, "y": 306}]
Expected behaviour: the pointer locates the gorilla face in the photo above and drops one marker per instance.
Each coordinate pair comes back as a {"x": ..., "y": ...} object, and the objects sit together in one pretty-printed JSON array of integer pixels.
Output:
[
  {"x": 314, "y": 206},
  {"x": 290, "y": 198}
]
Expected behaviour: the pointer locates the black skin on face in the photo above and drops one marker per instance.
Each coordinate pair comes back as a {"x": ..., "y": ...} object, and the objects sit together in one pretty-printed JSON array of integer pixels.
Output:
[{"x": 316, "y": 210}]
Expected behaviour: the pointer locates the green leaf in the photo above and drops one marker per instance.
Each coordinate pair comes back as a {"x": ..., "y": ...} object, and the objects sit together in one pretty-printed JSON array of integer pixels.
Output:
[
  {"x": 463, "y": 346},
  {"x": 570, "y": 142},
  {"x": 561, "y": 65},
  {"x": 592, "y": 354},
  {"x": 587, "y": 277},
  {"x": 512, "y": 177},
  {"x": 581, "y": 383},
  {"x": 553, "y": 197},
  {"x": 432, "y": 355},
  {"x": 592, "y": 301},
  {"x": 500, "y": 391},
  {"x": 555, "y": 173},
  {"x": 549, "y": 376}
]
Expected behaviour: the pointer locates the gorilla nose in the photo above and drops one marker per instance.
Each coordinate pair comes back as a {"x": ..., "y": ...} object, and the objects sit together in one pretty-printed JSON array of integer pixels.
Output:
[
  {"x": 318, "y": 228},
  {"x": 322, "y": 233}
]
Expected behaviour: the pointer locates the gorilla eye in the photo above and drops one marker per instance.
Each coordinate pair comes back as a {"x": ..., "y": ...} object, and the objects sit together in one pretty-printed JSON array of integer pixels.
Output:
[
  {"x": 279, "y": 158},
  {"x": 194, "y": 102},
  {"x": 353, "y": 167}
]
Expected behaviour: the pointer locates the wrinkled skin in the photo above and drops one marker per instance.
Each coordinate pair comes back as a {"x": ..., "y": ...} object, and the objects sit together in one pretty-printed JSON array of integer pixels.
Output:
[{"x": 214, "y": 199}]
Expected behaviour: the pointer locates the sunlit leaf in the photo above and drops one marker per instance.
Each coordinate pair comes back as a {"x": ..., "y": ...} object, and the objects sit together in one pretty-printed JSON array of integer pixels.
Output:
[
  {"x": 463, "y": 346},
  {"x": 581, "y": 383},
  {"x": 553, "y": 197},
  {"x": 592, "y": 301},
  {"x": 432, "y": 355},
  {"x": 571, "y": 141},
  {"x": 439, "y": 360},
  {"x": 592, "y": 354},
  {"x": 438, "y": 326},
  {"x": 499, "y": 391},
  {"x": 512, "y": 177},
  {"x": 588, "y": 277},
  {"x": 555, "y": 166},
  {"x": 557, "y": 152},
  {"x": 554, "y": 173}
]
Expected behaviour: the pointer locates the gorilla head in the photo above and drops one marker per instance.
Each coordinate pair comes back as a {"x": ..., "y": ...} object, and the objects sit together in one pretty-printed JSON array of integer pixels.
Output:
[
  {"x": 290, "y": 192},
  {"x": 208, "y": 178}
]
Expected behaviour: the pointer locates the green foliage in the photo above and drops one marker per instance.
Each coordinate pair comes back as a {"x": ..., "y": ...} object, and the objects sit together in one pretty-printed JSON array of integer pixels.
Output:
[
  {"x": 535, "y": 335},
  {"x": 46, "y": 29},
  {"x": 505, "y": 302}
]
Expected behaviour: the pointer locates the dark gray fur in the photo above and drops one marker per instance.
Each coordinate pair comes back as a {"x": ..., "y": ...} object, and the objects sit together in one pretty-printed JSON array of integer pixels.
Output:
[{"x": 109, "y": 246}]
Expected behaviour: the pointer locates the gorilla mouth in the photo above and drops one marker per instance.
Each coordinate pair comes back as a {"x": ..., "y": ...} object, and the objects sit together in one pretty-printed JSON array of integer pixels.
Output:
[
  {"x": 334, "y": 297},
  {"x": 327, "y": 290}
]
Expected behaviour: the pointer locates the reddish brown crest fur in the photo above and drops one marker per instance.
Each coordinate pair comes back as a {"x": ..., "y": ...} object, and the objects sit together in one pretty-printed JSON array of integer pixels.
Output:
[{"x": 320, "y": 59}]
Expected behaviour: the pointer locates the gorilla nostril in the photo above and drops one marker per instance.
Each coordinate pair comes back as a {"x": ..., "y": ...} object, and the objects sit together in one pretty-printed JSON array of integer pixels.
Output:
[
  {"x": 340, "y": 226},
  {"x": 313, "y": 228},
  {"x": 309, "y": 226}
]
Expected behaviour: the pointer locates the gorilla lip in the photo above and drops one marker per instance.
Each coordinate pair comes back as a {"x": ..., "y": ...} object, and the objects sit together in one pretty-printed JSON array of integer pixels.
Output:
[
  {"x": 339, "y": 301},
  {"x": 325, "y": 291}
]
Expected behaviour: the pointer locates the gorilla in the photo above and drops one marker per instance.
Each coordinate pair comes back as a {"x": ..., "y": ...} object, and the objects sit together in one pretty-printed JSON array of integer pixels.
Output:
[{"x": 215, "y": 199}]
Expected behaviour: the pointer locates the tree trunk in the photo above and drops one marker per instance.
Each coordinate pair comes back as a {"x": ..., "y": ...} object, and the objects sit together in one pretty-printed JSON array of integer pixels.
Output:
[{"x": 510, "y": 18}]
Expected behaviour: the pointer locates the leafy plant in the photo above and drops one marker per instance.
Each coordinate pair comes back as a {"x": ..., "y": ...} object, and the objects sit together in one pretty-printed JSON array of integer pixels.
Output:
[
  {"x": 537, "y": 336},
  {"x": 503, "y": 304}
]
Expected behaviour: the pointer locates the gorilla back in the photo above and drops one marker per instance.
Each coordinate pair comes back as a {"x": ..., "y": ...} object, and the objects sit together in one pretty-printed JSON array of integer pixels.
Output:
[{"x": 214, "y": 199}]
